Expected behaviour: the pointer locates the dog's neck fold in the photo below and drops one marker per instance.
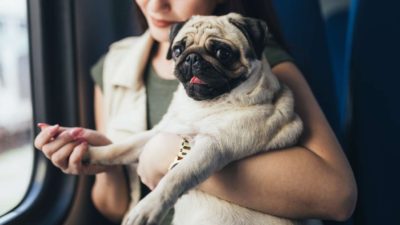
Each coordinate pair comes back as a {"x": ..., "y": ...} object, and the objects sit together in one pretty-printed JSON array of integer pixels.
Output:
[{"x": 259, "y": 88}]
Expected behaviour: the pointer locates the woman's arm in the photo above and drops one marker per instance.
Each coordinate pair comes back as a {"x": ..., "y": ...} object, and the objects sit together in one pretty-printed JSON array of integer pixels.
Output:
[
  {"x": 110, "y": 193},
  {"x": 311, "y": 180},
  {"x": 66, "y": 146}
]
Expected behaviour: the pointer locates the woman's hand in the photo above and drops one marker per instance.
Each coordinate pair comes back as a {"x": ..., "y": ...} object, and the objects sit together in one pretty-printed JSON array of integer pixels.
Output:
[
  {"x": 157, "y": 155},
  {"x": 65, "y": 147}
]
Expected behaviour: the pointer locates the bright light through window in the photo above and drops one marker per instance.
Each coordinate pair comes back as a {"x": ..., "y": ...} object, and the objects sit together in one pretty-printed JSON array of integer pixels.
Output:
[{"x": 16, "y": 151}]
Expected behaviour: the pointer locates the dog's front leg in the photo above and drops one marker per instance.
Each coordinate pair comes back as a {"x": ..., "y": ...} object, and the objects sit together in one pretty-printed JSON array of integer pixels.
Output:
[
  {"x": 125, "y": 152},
  {"x": 204, "y": 159}
]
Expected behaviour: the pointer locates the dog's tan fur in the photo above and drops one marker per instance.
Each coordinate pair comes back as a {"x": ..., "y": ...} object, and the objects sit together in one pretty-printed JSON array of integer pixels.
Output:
[{"x": 257, "y": 115}]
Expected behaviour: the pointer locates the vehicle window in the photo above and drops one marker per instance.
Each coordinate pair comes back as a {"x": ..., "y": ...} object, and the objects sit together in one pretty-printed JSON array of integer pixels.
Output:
[{"x": 16, "y": 150}]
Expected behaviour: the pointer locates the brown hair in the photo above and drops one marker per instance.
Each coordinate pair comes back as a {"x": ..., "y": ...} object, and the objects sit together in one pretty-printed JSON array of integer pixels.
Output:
[{"x": 251, "y": 8}]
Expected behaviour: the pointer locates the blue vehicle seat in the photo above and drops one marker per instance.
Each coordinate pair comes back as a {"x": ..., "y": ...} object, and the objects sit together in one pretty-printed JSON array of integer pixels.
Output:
[
  {"x": 374, "y": 70},
  {"x": 336, "y": 24},
  {"x": 317, "y": 43},
  {"x": 304, "y": 30}
]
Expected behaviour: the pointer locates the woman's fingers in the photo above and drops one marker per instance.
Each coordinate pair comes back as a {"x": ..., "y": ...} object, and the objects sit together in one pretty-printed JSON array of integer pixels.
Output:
[
  {"x": 94, "y": 138},
  {"x": 61, "y": 157},
  {"x": 65, "y": 147},
  {"x": 55, "y": 145},
  {"x": 75, "y": 159},
  {"x": 46, "y": 135},
  {"x": 69, "y": 159},
  {"x": 42, "y": 125},
  {"x": 75, "y": 162}
]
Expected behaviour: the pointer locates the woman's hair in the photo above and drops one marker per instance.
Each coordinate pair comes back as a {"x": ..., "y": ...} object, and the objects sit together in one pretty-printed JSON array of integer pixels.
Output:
[{"x": 260, "y": 9}]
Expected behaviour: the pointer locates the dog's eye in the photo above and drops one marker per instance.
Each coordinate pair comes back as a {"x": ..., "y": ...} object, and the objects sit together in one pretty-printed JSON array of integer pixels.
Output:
[
  {"x": 177, "y": 51},
  {"x": 224, "y": 55}
]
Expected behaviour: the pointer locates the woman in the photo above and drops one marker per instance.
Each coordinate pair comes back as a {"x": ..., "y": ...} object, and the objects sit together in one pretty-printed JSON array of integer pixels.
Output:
[{"x": 310, "y": 180}]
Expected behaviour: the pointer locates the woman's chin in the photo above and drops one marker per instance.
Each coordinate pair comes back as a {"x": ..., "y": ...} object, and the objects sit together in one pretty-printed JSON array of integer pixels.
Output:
[{"x": 160, "y": 34}]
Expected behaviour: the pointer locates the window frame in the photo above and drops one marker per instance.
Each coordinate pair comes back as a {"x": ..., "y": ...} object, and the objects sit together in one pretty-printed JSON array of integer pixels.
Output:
[
  {"x": 65, "y": 40},
  {"x": 53, "y": 81}
]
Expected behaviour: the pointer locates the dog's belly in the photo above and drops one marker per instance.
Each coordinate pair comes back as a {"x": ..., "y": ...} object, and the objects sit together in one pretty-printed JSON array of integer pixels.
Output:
[{"x": 198, "y": 208}]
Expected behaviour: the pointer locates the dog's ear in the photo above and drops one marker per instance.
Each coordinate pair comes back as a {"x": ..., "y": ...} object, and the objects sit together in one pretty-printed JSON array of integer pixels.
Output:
[
  {"x": 175, "y": 28},
  {"x": 255, "y": 30}
]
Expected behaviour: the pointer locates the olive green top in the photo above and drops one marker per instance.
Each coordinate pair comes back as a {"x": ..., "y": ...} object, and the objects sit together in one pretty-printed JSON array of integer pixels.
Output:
[{"x": 159, "y": 93}]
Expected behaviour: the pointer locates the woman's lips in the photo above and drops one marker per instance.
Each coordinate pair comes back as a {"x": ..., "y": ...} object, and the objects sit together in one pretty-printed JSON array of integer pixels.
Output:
[{"x": 161, "y": 23}]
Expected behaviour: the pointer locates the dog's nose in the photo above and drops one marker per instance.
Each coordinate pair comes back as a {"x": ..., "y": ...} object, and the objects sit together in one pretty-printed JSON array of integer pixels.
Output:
[{"x": 192, "y": 58}]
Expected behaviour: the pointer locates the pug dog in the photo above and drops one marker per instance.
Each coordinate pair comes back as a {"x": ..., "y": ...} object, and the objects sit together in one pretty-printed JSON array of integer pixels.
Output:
[{"x": 228, "y": 104}]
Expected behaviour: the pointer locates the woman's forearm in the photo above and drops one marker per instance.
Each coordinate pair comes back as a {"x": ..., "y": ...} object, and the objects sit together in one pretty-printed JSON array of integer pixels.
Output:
[
  {"x": 282, "y": 184},
  {"x": 110, "y": 193}
]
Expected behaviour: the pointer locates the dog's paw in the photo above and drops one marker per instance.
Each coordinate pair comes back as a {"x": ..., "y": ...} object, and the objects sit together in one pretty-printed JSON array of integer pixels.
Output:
[
  {"x": 94, "y": 155},
  {"x": 149, "y": 211},
  {"x": 86, "y": 158}
]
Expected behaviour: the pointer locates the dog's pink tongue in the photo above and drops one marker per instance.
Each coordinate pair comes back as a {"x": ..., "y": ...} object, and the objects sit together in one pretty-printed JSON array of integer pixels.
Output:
[{"x": 196, "y": 80}]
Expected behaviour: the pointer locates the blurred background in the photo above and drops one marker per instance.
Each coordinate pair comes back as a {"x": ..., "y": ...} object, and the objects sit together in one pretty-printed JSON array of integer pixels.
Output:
[{"x": 16, "y": 152}]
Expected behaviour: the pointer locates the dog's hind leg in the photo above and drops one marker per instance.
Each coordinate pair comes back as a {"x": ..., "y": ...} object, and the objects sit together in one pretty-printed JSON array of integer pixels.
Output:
[{"x": 204, "y": 159}]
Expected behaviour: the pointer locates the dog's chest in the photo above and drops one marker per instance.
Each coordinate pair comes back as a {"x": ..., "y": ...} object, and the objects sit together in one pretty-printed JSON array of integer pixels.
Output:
[
  {"x": 185, "y": 110},
  {"x": 187, "y": 116}
]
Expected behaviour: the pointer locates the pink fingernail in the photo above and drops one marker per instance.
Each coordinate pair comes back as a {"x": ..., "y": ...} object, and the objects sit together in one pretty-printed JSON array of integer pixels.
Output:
[{"x": 41, "y": 125}]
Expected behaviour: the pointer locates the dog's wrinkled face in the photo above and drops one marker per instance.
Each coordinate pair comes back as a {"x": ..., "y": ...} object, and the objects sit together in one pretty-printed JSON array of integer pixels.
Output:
[{"x": 213, "y": 54}]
